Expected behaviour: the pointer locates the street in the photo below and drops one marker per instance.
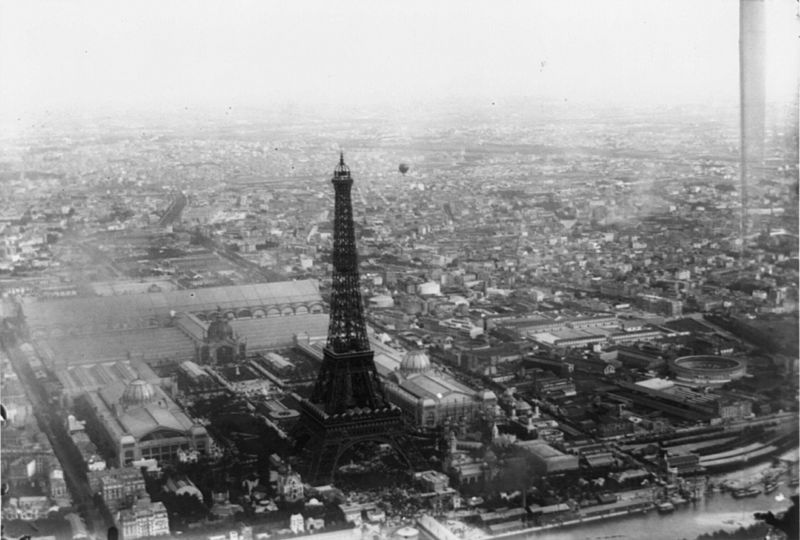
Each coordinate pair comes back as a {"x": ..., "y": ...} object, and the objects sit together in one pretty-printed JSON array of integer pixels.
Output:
[{"x": 65, "y": 450}]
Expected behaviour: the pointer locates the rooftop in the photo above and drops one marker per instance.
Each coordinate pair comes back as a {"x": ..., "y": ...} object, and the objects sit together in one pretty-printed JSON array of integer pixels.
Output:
[
  {"x": 138, "y": 420},
  {"x": 104, "y": 312},
  {"x": 145, "y": 343},
  {"x": 270, "y": 332},
  {"x": 91, "y": 377}
]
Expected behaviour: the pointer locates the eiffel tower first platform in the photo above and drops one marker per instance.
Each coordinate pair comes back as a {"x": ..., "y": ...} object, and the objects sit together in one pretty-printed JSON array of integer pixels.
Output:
[{"x": 348, "y": 404}]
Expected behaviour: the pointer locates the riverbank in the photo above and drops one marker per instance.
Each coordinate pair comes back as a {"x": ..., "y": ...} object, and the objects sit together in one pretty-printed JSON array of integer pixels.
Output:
[
  {"x": 580, "y": 520},
  {"x": 713, "y": 511},
  {"x": 710, "y": 514}
]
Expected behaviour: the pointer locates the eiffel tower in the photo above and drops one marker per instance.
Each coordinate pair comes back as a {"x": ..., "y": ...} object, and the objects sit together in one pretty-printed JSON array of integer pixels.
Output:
[{"x": 348, "y": 404}]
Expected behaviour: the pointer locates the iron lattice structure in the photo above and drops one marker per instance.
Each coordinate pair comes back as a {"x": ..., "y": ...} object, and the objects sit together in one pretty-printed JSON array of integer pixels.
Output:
[
  {"x": 347, "y": 404},
  {"x": 348, "y": 378},
  {"x": 346, "y": 330}
]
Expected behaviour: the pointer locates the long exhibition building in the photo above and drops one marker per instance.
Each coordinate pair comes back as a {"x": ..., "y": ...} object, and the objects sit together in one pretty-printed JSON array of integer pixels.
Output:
[{"x": 139, "y": 420}]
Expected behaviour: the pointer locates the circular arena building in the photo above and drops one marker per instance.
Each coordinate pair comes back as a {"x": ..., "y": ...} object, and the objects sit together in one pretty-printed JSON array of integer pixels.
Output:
[{"x": 707, "y": 369}]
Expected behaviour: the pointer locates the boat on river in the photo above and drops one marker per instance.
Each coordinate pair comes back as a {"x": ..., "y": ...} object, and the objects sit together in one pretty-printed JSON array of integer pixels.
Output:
[
  {"x": 741, "y": 493},
  {"x": 770, "y": 486},
  {"x": 665, "y": 507}
]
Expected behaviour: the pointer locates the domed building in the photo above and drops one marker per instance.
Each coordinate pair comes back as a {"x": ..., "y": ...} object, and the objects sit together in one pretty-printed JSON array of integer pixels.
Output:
[
  {"x": 138, "y": 392},
  {"x": 139, "y": 420},
  {"x": 219, "y": 330},
  {"x": 221, "y": 345},
  {"x": 428, "y": 396},
  {"x": 415, "y": 362}
]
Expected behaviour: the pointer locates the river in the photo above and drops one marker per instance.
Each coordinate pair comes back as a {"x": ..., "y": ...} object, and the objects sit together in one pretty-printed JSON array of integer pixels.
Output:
[
  {"x": 713, "y": 512},
  {"x": 717, "y": 511}
]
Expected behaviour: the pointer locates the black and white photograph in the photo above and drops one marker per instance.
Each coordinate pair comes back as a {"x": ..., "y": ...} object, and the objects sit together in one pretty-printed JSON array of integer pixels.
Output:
[{"x": 399, "y": 270}]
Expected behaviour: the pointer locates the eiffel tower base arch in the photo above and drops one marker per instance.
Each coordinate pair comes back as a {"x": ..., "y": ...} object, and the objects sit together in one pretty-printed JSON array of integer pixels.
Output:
[{"x": 323, "y": 439}]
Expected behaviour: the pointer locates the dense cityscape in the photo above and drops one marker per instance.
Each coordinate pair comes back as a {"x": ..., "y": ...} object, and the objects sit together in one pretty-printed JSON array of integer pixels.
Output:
[
  {"x": 579, "y": 339},
  {"x": 452, "y": 272}
]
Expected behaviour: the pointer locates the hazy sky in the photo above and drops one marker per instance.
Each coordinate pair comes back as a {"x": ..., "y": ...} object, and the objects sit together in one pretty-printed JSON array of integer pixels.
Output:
[{"x": 92, "y": 54}]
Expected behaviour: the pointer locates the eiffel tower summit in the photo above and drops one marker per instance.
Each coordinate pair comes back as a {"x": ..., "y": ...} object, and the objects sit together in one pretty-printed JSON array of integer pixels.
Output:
[{"x": 348, "y": 405}]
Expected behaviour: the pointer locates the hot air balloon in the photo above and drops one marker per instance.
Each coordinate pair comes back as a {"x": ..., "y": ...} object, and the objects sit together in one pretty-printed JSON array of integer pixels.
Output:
[{"x": 403, "y": 168}]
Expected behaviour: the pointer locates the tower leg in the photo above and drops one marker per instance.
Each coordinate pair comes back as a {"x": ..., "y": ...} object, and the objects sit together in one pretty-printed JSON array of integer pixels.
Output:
[{"x": 322, "y": 448}]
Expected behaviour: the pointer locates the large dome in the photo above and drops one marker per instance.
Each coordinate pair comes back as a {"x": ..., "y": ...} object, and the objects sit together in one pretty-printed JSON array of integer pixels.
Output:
[
  {"x": 415, "y": 361},
  {"x": 138, "y": 392},
  {"x": 219, "y": 329}
]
